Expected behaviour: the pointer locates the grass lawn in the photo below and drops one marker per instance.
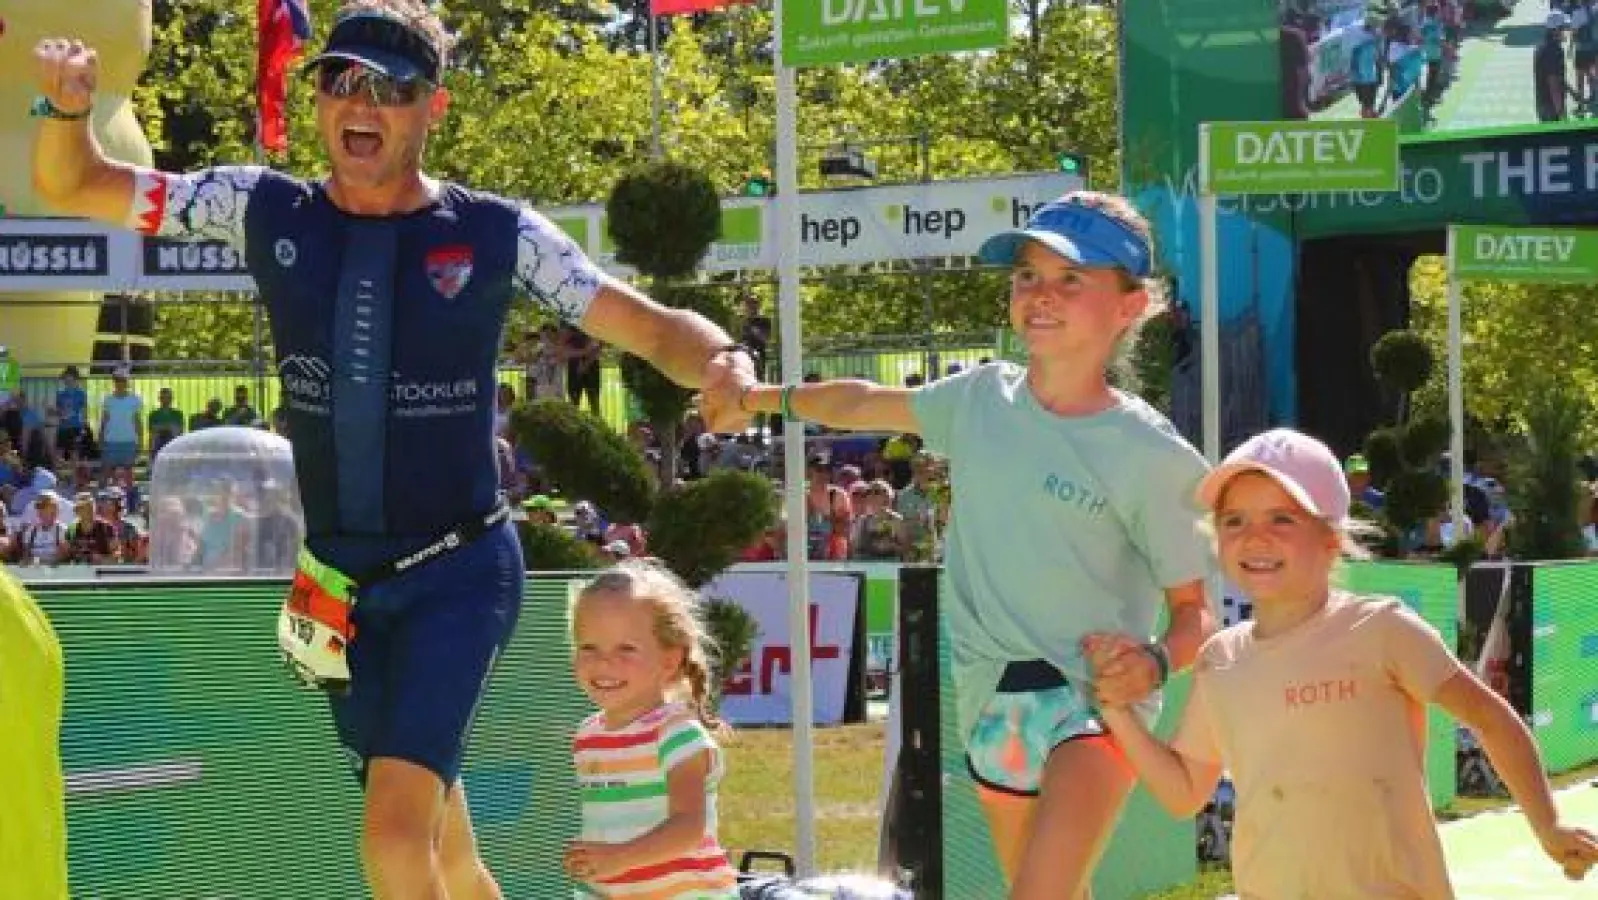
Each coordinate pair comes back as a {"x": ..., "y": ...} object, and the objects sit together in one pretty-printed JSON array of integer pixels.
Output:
[{"x": 757, "y": 809}]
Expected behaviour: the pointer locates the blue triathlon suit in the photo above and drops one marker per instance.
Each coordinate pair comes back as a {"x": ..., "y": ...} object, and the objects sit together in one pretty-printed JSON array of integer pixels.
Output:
[{"x": 387, "y": 330}]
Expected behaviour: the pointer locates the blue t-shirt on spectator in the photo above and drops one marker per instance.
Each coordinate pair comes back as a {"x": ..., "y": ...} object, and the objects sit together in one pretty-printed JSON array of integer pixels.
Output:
[{"x": 73, "y": 403}]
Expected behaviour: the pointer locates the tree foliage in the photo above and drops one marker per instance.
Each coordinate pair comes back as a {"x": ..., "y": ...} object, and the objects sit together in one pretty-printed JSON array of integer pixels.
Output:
[
  {"x": 550, "y": 548},
  {"x": 584, "y": 458},
  {"x": 1546, "y": 496},
  {"x": 663, "y": 218},
  {"x": 1522, "y": 342},
  {"x": 700, "y": 527}
]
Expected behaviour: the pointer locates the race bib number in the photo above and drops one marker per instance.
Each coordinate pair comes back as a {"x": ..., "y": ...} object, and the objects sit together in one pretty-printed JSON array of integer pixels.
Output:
[{"x": 316, "y": 625}]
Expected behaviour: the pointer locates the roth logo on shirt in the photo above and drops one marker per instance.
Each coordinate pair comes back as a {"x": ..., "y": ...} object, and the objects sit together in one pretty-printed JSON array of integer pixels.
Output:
[
  {"x": 1320, "y": 693},
  {"x": 1070, "y": 492}
]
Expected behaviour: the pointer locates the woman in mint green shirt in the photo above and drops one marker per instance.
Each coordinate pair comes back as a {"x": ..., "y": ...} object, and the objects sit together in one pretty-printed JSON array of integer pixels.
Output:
[{"x": 1072, "y": 515}]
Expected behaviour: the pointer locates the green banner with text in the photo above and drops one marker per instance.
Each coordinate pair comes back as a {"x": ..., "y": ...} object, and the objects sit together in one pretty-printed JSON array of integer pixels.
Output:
[
  {"x": 1537, "y": 255},
  {"x": 829, "y": 32},
  {"x": 1280, "y": 157}
]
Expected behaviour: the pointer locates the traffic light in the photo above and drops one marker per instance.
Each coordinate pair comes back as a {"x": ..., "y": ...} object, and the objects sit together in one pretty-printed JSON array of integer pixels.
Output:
[
  {"x": 1072, "y": 163},
  {"x": 760, "y": 185}
]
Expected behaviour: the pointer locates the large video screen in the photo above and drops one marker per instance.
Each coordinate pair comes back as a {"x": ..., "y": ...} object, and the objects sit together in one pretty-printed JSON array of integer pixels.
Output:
[{"x": 1439, "y": 65}]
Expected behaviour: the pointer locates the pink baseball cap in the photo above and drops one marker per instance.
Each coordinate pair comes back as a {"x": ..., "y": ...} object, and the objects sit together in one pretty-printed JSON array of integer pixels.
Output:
[{"x": 1304, "y": 467}]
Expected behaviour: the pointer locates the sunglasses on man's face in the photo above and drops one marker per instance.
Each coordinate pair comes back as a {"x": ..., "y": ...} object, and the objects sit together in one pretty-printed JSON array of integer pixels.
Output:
[{"x": 342, "y": 80}]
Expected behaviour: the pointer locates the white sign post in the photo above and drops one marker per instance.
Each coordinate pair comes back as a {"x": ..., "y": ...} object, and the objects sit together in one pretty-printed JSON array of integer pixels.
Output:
[
  {"x": 1274, "y": 158},
  {"x": 810, "y": 33}
]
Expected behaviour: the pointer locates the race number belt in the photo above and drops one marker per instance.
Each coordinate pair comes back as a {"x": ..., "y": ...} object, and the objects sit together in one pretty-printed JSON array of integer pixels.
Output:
[{"x": 317, "y": 621}]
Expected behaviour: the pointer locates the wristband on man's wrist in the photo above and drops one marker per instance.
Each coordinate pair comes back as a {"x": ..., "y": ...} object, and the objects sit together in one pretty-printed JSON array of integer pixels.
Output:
[{"x": 44, "y": 109}]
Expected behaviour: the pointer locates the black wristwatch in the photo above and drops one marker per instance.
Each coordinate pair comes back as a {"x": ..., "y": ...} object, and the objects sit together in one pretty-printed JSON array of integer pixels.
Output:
[{"x": 1162, "y": 658}]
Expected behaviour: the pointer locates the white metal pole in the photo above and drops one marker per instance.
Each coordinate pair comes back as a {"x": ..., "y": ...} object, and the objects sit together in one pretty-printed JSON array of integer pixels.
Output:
[
  {"x": 1209, "y": 304},
  {"x": 787, "y": 210},
  {"x": 655, "y": 152},
  {"x": 1456, "y": 393}
]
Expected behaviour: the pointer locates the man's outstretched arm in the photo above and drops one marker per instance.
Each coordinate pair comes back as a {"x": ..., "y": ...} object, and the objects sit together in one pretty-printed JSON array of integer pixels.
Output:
[{"x": 678, "y": 342}]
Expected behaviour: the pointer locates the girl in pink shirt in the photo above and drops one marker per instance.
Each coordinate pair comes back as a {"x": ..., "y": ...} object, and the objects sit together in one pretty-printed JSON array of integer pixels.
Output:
[{"x": 1317, "y": 706}]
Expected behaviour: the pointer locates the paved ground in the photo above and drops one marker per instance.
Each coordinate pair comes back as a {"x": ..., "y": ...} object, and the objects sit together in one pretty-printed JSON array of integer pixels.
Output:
[{"x": 1492, "y": 856}]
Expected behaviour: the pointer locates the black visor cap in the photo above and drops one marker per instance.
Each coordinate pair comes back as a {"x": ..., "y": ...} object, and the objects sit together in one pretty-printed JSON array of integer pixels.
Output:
[{"x": 382, "y": 43}]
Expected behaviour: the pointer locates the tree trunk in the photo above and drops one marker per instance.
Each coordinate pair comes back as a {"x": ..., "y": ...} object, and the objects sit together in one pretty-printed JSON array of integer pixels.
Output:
[{"x": 670, "y": 434}]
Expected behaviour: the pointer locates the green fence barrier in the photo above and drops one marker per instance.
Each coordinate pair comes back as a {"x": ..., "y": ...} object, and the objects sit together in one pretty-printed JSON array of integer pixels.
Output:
[
  {"x": 1564, "y": 673},
  {"x": 197, "y": 770},
  {"x": 1432, "y": 591}
]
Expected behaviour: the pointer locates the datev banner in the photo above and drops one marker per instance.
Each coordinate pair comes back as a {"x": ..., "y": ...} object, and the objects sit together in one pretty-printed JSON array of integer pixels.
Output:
[
  {"x": 760, "y": 691},
  {"x": 836, "y": 228},
  {"x": 829, "y": 32}
]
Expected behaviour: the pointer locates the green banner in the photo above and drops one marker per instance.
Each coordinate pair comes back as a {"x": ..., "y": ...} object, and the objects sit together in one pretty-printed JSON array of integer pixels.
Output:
[
  {"x": 10, "y": 375},
  {"x": 829, "y": 32},
  {"x": 1540, "y": 255},
  {"x": 1302, "y": 157},
  {"x": 196, "y": 768},
  {"x": 1564, "y": 664},
  {"x": 1432, "y": 592}
]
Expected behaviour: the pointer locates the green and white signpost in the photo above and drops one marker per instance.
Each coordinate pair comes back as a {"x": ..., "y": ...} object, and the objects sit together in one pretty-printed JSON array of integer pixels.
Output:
[
  {"x": 1494, "y": 253},
  {"x": 820, "y": 33},
  {"x": 1284, "y": 157}
]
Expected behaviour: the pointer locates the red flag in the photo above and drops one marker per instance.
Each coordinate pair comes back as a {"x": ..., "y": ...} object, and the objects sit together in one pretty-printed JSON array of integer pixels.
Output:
[
  {"x": 284, "y": 26},
  {"x": 678, "y": 7}
]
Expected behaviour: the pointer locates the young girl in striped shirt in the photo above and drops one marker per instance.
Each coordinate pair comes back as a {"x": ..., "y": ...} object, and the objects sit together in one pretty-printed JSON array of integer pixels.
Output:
[{"x": 647, "y": 765}]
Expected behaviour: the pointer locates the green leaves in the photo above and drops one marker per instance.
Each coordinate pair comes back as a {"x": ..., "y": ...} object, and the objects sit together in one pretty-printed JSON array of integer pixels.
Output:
[
  {"x": 1521, "y": 342},
  {"x": 663, "y": 218}
]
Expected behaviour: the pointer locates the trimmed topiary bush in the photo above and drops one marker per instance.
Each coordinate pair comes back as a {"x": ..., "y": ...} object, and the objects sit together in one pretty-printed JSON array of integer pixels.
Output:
[
  {"x": 550, "y": 548},
  {"x": 584, "y": 458},
  {"x": 700, "y": 529},
  {"x": 663, "y": 218}
]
